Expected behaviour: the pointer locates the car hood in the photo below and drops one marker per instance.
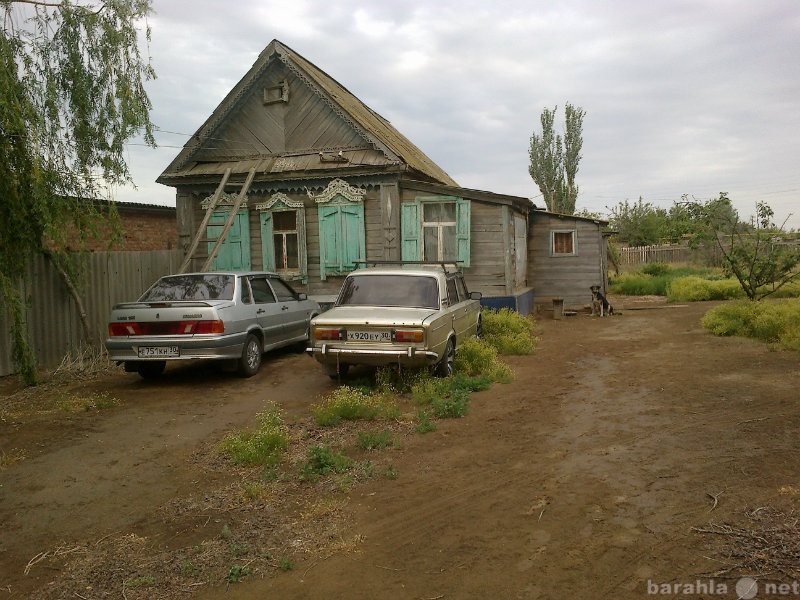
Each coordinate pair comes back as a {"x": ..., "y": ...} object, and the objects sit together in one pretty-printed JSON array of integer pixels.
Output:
[{"x": 374, "y": 315}]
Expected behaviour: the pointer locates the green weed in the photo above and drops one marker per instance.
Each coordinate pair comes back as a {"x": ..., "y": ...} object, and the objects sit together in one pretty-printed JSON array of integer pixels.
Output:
[
  {"x": 771, "y": 321},
  {"x": 693, "y": 288},
  {"x": 508, "y": 331},
  {"x": 478, "y": 358},
  {"x": 375, "y": 441},
  {"x": 141, "y": 582},
  {"x": 321, "y": 460},
  {"x": 286, "y": 564},
  {"x": 236, "y": 572},
  {"x": 424, "y": 423},
  {"x": 263, "y": 446},
  {"x": 91, "y": 401},
  {"x": 350, "y": 404}
]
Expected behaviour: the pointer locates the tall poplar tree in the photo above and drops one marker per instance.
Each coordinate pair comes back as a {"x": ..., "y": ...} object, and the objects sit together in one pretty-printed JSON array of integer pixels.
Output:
[
  {"x": 554, "y": 159},
  {"x": 71, "y": 96}
]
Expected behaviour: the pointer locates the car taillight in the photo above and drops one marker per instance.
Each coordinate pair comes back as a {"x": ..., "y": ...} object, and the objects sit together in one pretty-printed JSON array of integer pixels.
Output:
[
  {"x": 117, "y": 329},
  {"x": 413, "y": 336},
  {"x": 321, "y": 333},
  {"x": 209, "y": 327},
  {"x": 166, "y": 328}
]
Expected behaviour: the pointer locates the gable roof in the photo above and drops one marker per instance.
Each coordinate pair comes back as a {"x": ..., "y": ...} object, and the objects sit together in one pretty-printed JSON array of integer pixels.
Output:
[{"x": 380, "y": 147}]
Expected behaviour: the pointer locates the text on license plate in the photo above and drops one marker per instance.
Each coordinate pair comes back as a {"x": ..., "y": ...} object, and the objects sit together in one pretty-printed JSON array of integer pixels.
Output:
[
  {"x": 369, "y": 336},
  {"x": 158, "y": 351}
]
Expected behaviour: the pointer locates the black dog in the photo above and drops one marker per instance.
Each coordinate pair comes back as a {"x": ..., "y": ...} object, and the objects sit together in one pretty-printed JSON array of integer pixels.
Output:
[{"x": 600, "y": 305}]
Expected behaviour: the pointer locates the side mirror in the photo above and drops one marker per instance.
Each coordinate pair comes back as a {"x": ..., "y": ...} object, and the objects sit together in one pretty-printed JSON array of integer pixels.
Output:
[
  {"x": 302, "y": 296},
  {"x": 475, "y": 295}
]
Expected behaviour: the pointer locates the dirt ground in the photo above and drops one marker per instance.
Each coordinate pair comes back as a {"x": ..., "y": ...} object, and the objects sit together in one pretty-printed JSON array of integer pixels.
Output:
[{"x": 609, "y": 468}]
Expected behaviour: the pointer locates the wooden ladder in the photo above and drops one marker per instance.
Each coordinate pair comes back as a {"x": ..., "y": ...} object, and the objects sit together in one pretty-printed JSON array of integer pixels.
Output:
[{"x": 212, "y": 205}]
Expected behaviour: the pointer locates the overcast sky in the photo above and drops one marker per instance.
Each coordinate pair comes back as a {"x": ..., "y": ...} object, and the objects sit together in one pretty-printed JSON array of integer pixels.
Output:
[{"x": 680, "y": 97}]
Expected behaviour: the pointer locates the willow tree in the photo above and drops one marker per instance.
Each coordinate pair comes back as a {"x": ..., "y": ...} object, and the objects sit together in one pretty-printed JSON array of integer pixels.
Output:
[
  {"x": 554, "y": 158},
  {"x": 71, "y": 96}
]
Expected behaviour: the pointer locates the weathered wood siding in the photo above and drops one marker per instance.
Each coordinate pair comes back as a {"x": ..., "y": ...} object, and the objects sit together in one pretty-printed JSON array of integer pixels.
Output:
[{"x": 567, "y": 277}]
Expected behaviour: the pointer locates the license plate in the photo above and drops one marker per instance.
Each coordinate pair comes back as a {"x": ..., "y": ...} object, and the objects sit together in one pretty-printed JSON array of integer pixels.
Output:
[
  {"x": 369, "y": 336},
  {"x": 159, "y": 351}
]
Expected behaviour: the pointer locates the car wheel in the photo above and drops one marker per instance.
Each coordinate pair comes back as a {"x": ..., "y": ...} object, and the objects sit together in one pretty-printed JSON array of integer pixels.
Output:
[
  {"x": 330, "y": 371},
  {"x": 250, "y": 362},
  {"x": 445, "y": 366},
  {"x": 152, "y": 369}
]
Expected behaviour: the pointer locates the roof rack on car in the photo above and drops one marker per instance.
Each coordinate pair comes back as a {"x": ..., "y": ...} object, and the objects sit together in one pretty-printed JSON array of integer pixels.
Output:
[{"x": 381, "y": 263}]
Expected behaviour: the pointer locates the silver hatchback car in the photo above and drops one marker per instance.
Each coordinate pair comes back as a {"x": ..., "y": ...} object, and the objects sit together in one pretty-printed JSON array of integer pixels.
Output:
[
  {"x": 221, "y": 316},
  {"x": 407, "y": 314}
]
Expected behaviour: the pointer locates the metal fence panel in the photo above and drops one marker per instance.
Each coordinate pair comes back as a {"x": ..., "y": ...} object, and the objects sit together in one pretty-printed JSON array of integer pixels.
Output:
[{"x": 53, "y": 321}]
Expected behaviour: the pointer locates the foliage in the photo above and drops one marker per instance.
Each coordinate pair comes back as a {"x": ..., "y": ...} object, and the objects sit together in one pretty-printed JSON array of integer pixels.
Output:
[
  {"x": 91, "y": 401},
  {"x": 777, "y": 321},
  {"x": 321, "y": 460},
  {"x": 654, "y": 279},
  {"x": 375, "y": 441},
  {"x": 554, "y": 159},
  {"x": 352, "y": 404},
  {"x": 509, "y": 331},
  {"x": 263, "y": 446},
  {"x": 477, "y": 358},
  {"x": 73, "y": 95},
  {"x": 693, "y": 289},
  {"x": 638, "y": 223},
  {"x": 757, "y": 253}
]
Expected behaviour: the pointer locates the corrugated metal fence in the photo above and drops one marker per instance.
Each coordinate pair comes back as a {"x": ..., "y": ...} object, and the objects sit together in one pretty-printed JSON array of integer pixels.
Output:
[{"x": 53, "y": 321}]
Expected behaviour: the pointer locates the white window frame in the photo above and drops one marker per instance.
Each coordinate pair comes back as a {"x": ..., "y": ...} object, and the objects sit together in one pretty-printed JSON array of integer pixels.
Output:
[{"x": 572, "y": 232}]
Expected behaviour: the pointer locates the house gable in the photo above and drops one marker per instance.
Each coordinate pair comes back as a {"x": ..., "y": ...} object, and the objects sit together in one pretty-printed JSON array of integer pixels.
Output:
[{"x": 285, "y": 117}]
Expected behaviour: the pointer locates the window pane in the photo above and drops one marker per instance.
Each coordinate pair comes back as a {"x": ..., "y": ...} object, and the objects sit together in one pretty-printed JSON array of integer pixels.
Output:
[
  {"x": 292, "y": 260},
  {"x": 190, "y": 287},
  {"x": 282, "y": 290},
  {"x": 262, "y": 294},
  {"x": 280, "y": 259},
  {"x": 438, "y": 211},
  {"x": 430, "y": 243},
  {"x": 563, "y": 242},
  {"x": 449, "y": 245},
  {"x": 452, "y": 292},
  {"x": 390, "y": 290},
  {"x": 284, "y": 220}
]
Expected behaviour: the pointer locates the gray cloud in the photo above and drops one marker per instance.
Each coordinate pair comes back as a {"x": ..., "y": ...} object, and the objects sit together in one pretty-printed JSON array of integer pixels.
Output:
[{"x": 680, "y": 97}]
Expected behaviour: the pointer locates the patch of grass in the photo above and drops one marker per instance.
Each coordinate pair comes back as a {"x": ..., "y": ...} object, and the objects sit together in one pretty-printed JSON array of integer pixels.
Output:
[
  {"x": 478, "y": 358},
  {"x": 189, "y": 569},
  {"x": 771, "y": 321},
  {"x": 263, "y": 446},
  {"x": 286, "y": 564},
  {"x": 449, "y": 397},
  {"x": 350, "y": 404},
  {"x": 237, "y": 572},
  {"x": 375, "y": 441},
  {"x": 508, "y": 331},
  {"x": 12, "y": 456},
  {"x": 424, "y": 423},
  {"x": 654, "y": 279},
  {"x": 693, "y": 288},
  {"x": 391, "y": 381},
  {"x": 75, "y": 403},
  {"x": 321, "y": 460}
]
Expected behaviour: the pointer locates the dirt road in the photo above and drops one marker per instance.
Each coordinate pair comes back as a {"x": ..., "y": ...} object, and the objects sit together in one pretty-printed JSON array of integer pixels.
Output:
[{"x": 581, "y": 479}]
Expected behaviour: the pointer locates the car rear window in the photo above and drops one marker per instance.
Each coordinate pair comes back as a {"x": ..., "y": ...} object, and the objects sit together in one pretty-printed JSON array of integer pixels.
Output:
[
  {"x": 190, "y": 287},
  {"x": 390, "y": 290}
]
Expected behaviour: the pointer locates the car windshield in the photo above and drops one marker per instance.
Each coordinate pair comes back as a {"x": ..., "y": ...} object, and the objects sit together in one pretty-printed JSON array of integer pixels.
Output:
[
  {"x": 190, "y": 287},
  {"x": 390, "y": 290}
]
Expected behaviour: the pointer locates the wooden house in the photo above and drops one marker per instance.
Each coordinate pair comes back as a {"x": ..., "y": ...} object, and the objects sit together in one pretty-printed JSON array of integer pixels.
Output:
[{"x": 318, "y": 181}]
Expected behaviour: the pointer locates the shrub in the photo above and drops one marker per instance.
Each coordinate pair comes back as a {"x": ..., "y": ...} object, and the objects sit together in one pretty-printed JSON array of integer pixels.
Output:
[
  {"x": 350, "y": 404},
  {"x": 776, "y": 321},
  {"x": 508, "y": 331},
  {"x": 693, "y": 288},
  {"x": 478, "y": 358},
  {"x": 321, "y": 460},
  {"x": 656, "y": 269},
  {"x": 263, "y": 446}
]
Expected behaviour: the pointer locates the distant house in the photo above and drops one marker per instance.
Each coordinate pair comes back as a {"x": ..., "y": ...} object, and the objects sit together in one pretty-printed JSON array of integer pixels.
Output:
[{"x": 329, "y": 183}]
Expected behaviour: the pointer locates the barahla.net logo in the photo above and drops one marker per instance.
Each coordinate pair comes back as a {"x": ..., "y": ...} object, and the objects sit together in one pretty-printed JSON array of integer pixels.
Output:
[{"x": 746, "y": 588}]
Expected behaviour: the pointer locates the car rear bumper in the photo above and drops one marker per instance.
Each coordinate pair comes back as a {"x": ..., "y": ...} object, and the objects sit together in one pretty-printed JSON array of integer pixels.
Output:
[
  {"x": 408, "y": 356},
  {"x": 224, "y": 348}
]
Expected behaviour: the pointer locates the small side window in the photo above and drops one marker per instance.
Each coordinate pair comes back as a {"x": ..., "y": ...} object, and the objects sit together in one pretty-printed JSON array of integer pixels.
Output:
[
  {"x": 452, "y": 291},
  {"x": 562, "y": 243},
  {"x": 247, "y": 296},
  {"x": 282, "y": 290},
  {"x": 463, "y": 294},
  {"x": 262, "y": 293}
]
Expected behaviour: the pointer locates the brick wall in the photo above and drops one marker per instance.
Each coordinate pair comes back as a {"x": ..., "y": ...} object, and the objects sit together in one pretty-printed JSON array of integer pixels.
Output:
[{"x": 144, "y": 227}]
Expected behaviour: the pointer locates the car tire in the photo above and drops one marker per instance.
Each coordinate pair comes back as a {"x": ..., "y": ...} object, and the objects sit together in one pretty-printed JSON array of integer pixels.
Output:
[
  {"x": 330, "y": 371},
  {"x": 151, "y": 369},
  {"x": 446, "y": 365},
  {"x": 250, "y": 362}
]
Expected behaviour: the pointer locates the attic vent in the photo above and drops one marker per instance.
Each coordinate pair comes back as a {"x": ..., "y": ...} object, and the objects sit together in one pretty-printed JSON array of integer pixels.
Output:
[{"x": 277, "y": 93}]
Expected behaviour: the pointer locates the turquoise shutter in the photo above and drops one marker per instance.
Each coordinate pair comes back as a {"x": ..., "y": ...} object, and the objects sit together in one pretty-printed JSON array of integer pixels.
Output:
[
  {"x": 410, "y": 230},
  {"x": 462, "y": 230},
  {"x": 352, "y": 246},
  {"x": 234, "y": 253},
  {"x": 328, "y": 226},
  {"x": 267, "y": 243}
]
